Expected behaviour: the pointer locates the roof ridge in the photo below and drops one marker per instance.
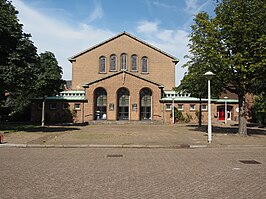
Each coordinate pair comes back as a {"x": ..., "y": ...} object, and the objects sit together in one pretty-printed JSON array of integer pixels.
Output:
[{"x": 72, "y": 58}]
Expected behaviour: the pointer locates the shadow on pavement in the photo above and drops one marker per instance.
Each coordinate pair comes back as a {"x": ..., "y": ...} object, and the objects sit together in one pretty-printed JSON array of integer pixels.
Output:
[{"x": 228, "y": 129}]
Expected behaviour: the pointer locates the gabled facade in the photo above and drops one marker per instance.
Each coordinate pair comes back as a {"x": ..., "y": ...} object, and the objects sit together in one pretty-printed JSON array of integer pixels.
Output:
[{"x": 125, "y": 78}]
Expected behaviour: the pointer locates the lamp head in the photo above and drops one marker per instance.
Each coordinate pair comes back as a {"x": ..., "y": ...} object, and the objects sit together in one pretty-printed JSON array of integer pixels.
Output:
[{"x": 209, "y": 75}]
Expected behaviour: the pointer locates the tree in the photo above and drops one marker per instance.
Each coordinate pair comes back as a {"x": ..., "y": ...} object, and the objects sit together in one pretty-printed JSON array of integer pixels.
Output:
[
  {"x": 18, "y": 60},
  {"x": 195, "y": 84},
  {"x": 232, "y": 45},
  {"x": 49, "y": 81},
  {"x": 23, "y": 74}
]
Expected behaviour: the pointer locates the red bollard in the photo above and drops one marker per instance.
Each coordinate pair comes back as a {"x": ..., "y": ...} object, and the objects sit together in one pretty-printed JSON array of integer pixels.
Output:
[{"x": 1, "y": 138}]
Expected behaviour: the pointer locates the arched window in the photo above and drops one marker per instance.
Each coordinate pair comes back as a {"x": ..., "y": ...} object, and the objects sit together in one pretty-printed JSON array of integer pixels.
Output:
[
  {"x": 113, "y": 62},
  {"x": 100, "y": 101},
  {"x": 123, "y": 61},
  {"x": 123, "y": 104},
  {"x": 134, "y": 63},
  {"x": 144, "y": 64},
  {"x": 102, "y": 67},
  {"x": 146, "y": 104}
]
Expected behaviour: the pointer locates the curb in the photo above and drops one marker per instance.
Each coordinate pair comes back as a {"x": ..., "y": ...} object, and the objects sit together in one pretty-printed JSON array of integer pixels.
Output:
[{"x": 181, "y": 146}]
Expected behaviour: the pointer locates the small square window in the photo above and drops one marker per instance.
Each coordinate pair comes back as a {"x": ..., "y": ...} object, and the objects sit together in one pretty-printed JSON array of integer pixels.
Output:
[
  {"x": 180, "y": 107},
  {"x": 77, "y": 106},
  {"x": 204, "y": 107},
  {"x": 52, "y": 106},
  {"x": 168, "y": 107},
  {"x": 192, "y": 107}
]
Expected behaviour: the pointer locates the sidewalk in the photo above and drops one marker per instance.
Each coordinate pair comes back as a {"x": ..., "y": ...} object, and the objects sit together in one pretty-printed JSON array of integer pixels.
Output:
[{"x": 134, "y": 136}]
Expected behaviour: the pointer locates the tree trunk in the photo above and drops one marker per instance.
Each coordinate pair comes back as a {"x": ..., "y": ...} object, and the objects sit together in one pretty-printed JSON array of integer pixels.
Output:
[
  {"x": 242, "y": 126},
  {"x": 43, "y": 111}
]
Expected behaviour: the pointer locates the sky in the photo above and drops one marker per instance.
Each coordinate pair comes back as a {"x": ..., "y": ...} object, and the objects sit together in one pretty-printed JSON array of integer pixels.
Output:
[{"x": 67, "y": 27}]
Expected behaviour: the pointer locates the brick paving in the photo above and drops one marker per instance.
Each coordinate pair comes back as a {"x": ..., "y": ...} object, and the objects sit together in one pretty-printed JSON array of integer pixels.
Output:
[{"x": 140, "y": 173}]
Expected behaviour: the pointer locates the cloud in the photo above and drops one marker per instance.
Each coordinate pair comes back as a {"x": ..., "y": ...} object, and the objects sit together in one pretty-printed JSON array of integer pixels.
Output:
[
  {"x": 64, "y": 40},
  {"x": 163, "y": 5},
  {"x": 147, "y": 27},
  {"x": 97, "y": 13},
  {"x": 195, "y": 6},
  {"x": 171, "y": 41}
]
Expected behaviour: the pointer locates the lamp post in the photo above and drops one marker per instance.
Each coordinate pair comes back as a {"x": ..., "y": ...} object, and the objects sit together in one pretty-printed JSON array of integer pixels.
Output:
[
  {"x": 225, "y": 109},
  {"x": 209, "y": 75},
  {"x": 85, "y": 86},
  {"x": 173, "y": 110}
]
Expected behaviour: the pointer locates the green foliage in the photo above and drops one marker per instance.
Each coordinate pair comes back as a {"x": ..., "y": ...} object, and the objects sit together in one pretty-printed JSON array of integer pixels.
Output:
[
  {"x": 231, "y": 45},
  {"x": 179, "y": 117},
  {"x": 49, "y": 80},
  {"x": 259, "y": 109},
  {"x": 23, "y": 74}
]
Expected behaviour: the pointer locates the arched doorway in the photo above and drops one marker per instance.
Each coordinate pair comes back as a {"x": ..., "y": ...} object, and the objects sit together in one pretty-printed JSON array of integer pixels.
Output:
[
  {"x": 123, "y": 104},
  {"x": 100, "y": 101},
  {"x": 145, "y": 104}
]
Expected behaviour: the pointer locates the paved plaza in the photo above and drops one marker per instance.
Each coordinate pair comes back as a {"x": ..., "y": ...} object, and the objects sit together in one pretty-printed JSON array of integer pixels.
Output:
[
  {"x": 133, "y": 161},
  {"x": 132, "y": 173}
]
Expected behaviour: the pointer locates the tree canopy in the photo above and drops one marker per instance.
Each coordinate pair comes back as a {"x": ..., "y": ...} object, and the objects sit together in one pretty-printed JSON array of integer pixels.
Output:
[
  {"x": 23, "y": 73},
  {"x": 231, "y": 45}
]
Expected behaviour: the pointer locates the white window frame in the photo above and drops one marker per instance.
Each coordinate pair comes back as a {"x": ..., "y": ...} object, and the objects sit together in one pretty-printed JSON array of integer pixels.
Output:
[
  {"x": 100, "y": 64},
  {"x": 142, "y": 66},
  {"x": 75, "y": 106},
  {"x": 168, "y": 107},
  {"x": 115, "y": 62},
  {"x": 204, "y": 109},
  {"x": 192, "y": 107},
  {"x": 123, "y": 62},
  {"x": 180, "y": 109},
  {"x": 136, "y": 57}
]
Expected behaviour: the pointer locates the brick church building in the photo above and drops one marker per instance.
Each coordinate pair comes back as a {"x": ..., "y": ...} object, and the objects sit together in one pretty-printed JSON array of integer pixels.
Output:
[{"x": 123, "y": 78}]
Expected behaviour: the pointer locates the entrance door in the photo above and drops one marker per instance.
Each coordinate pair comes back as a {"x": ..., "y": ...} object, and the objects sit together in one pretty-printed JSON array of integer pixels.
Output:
[
  {"x": 123, "y": 104},
  {"x": 145, "y": 104}
]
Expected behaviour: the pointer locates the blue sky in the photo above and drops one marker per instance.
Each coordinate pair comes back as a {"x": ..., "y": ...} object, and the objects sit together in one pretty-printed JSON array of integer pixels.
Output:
[{"x": 66, "y": 27}]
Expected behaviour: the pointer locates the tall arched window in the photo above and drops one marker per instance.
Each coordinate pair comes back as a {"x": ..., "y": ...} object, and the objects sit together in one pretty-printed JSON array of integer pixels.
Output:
[
  {"x": 144, "y": 64},
  {"x": 145, "y": 104},
  {"x": 123, "y": 61},
  {"x": 113, "y": 62},
  {"x": 100, "y": 101},
  {"x": 123, "y": 104},
  {"x": 134, "y": 63},
  {"x": 102, "y": 67}
]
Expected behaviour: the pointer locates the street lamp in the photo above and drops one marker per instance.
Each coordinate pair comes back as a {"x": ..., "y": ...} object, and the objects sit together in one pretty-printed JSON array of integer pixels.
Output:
[
  {"x": 225, "y": 109},
  {"x": 85, "y": 86},
  {"x": 209, "y": 75},
  {"x": 173, "y": 109}
]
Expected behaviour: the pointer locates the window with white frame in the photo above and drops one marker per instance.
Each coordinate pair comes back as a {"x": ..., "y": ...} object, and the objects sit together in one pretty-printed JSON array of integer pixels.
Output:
[
  {"x": 204, "y": 107},
  {"x": 113, "y": 62},
  {"x": 168, "y": 107},
  {"x": 77, "y": 106},
  {"x": 102, "y": 67},
  {"x": 192, "y": 107},
  {"x": 144, "y": 64},
  {"x": 123, "y": 62},
  {"x": 134, "y": 63},
  {"x": 180, "y": 107}
]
